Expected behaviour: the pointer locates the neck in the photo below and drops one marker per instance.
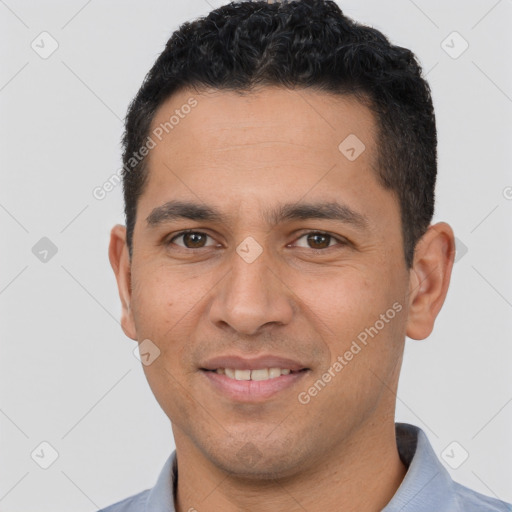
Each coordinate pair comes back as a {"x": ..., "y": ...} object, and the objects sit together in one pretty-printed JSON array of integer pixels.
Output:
[{"x": 363, "y": 474}]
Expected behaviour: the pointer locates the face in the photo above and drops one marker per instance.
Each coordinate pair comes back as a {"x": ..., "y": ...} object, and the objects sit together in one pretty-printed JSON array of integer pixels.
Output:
[{"x": 293, "y": 250}]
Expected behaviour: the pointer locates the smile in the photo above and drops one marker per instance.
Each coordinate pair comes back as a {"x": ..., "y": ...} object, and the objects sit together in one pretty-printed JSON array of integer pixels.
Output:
[
  {"x": 257, "y": 374},
  {"x": 252, "y": 386}
]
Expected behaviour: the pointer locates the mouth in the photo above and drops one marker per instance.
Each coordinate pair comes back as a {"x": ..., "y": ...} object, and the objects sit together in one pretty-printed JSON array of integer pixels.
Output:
[
  {"x": 241, "y": 378},
  {"x": 252, "y": 386},
  {"x": 257, "y": 374}
]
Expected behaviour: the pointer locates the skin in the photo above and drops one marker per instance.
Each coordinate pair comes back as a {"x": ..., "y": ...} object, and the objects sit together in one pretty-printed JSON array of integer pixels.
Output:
[{"x": 302, "y": 298}]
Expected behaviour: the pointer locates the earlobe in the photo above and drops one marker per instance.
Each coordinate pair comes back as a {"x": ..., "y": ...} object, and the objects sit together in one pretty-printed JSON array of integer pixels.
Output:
[
  {"x": 429, "y": 279},
  {"x": 120, "y": 262}
]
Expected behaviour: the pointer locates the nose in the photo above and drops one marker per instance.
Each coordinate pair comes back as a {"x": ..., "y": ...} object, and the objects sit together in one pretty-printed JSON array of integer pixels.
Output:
[{"x": 251, "y": 297}]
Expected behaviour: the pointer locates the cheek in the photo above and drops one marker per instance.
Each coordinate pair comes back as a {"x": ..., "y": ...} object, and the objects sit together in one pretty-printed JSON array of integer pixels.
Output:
[
  {"x": 348, "y": 304},
  {"x": 165, "y": 311},
  {"x": 340, "y": 300},
  {"x": 159, "y": 300}
]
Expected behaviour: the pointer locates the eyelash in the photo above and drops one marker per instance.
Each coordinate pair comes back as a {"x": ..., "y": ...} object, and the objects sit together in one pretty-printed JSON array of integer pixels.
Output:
[{"x": 341, "y": 241}]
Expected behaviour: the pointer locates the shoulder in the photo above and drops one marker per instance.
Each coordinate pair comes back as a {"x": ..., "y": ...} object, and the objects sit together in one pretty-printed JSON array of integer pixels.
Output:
[
  {"x": 135, "y": 503},
  {"x": 472, "y": 501},
  {"x": 158, "y": 498}
]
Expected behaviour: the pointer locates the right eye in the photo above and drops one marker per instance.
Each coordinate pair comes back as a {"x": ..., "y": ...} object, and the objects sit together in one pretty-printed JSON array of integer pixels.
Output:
[{"x": 191, "y": 239}]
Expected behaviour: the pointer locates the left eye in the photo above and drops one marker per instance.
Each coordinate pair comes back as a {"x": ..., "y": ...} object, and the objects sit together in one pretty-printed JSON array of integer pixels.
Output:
[{"x": 321, "y": 240}]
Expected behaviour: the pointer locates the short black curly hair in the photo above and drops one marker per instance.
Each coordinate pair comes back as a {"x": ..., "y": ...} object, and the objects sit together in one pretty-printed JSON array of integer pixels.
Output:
[{"x": 301, "y": 43}]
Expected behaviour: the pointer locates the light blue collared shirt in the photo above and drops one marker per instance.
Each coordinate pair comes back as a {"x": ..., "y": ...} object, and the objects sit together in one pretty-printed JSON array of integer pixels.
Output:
[{"x": 427, "y": 486}]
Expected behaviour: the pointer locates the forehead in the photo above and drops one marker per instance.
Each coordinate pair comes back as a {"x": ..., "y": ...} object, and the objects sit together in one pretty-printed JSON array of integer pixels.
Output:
[
  {"x": 226, "y": 148},
  {"x": 220, "y": 119}
]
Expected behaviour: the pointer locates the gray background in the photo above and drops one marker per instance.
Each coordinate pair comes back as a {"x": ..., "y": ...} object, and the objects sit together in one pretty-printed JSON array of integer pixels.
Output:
[{"x": 67, "y": 372}]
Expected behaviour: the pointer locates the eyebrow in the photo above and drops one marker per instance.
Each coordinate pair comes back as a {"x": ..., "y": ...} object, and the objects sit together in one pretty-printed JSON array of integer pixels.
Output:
[{"x": 331, "y": 210}]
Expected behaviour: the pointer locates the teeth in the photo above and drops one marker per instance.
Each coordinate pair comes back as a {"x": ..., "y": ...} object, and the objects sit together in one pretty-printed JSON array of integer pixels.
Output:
[
  {"x": 275, "y": 372},
  {"x": 243, "y": 374},
  {"x": 260, "y": 374}
]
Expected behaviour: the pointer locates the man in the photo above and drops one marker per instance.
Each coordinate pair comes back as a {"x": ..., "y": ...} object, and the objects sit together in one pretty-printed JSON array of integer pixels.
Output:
[{"x": 280, "y": 165}]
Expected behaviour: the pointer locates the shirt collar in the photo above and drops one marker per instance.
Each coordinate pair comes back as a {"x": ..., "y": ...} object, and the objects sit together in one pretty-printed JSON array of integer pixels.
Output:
[
  {"x": 161, "y": 496},
  {"x": 426, "y": 486}
]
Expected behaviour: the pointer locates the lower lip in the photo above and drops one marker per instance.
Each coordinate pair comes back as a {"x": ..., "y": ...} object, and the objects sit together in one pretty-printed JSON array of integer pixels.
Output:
[{"x": 252, "y": 390}]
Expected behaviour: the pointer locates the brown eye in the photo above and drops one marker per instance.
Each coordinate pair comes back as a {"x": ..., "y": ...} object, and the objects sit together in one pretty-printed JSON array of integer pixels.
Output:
[
  {"x": 318, "y": 240},
  {"x": 191, "y": 239}
]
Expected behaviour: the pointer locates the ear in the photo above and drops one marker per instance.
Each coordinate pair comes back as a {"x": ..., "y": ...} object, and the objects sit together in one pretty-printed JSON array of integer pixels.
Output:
[
  {"x": 429, "y": 279},
  {"x": 120, "y": 261}
]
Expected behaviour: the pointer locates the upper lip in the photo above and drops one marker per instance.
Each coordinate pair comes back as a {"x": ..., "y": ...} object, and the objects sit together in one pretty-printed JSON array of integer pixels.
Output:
[{"x": 245, "y": 363}]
